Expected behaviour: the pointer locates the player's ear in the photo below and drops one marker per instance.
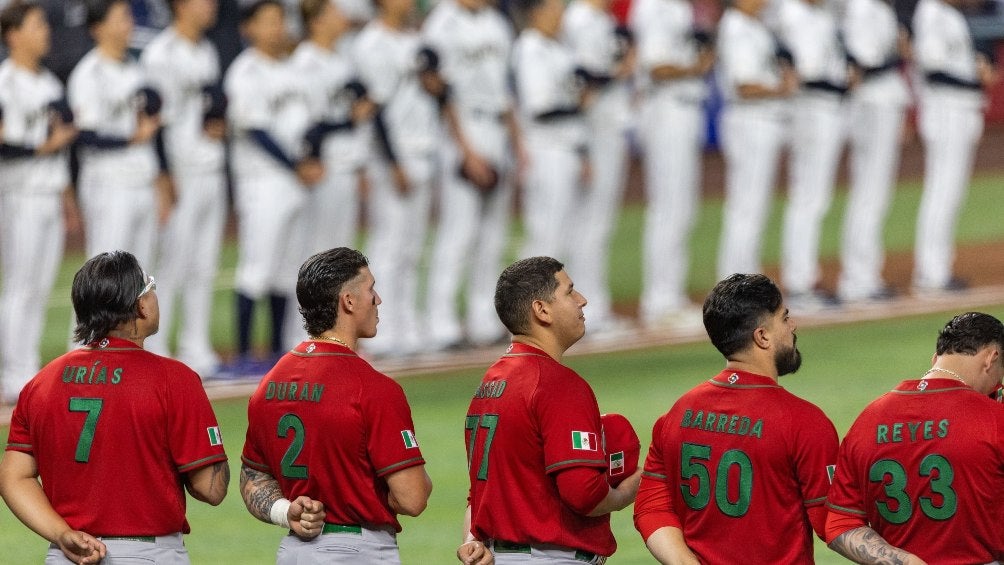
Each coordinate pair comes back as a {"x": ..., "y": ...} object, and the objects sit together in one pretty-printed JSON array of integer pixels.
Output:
[
  {"x": 991, "y": 358},
  {"x": 540, "y": 311},
  {"x": 346, "y": 301},
  {"x": 761, "y": 337}
]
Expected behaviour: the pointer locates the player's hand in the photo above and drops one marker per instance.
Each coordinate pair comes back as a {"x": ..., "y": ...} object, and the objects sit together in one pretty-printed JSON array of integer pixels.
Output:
[
  {"x": 985, "y": 71},
  {"x": 215, "y": 129},
  {"x": 481, "y": 174},
  {"x": 167, "y": 197},
  {"x": 586, "y": 173},
  {"x": 363, "y": 110},
  {"x": 146, "y": 128},
  {"x": 401, "y": 181},
  {"x": 310, "y": 172},
  {"x": 705, "y": 60},
  {"x": 72, "y": 218},
  {"x": 306, "y": 517},
  {"x": 789, "y": 81},
  {"x": 81, "y": 547},
  {"x": 475, "y": 553},
  {"x": 61, "y": 134}
]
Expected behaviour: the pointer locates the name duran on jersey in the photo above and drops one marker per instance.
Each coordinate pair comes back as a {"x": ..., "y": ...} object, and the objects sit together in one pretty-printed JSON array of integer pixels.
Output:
[
  {"x": 893, "y": 433},
  {"x": 734, "y": 424},
  {"x": 492, "y": 389},
  {"x": 283, "y": 390},
  {"x": 95, "y": 374}
]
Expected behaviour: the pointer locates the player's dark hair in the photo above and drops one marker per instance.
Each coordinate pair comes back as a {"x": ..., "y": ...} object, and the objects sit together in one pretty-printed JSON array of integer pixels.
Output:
[
  {"x": 97, "y": 10},
  {"x": 104, "y": 294},
  {"x": 519, "y": 285},
  {"x": 249, "y": 12},
  {"x": 310, "y": 10},
  {"x": 967, "y": 333},
  {"x": 737, "y": 306},
  {"x": 12, "y": 17},
  {"x": 319, "y": 283}
]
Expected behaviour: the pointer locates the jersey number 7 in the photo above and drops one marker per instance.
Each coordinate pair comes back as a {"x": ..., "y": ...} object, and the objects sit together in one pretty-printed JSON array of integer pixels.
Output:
[
  {"x": 472, "y": 424},
  {"x": 93, "y": 408}
]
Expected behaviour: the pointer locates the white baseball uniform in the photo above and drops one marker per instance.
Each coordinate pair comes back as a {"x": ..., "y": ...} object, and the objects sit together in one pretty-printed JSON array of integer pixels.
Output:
[
  {"x": 877, "y": 106},
  {"x": 387, "y": 61},
  {"x": 474, "y": 49},
  {"x": 266, "y": 94},
  {"x": 190, "y": 243},
  {"x": 31, "y": 221},
  {"x": 116, "y": 183},
  {"x": 591, "y": 34},
  {"x": 672, "y": 129},
  {"x": 548, "y": 94},
  {"x": 752, "y": 135},
  {"x": 809, "y": 31},
  {"x": 951, "y": 123}
]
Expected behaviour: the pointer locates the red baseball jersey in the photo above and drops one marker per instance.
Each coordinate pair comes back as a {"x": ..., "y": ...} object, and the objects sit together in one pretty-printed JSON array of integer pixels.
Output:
[
  {"x": 530, "y": 418},
  {"x": 113, "y": 429},
  {"x": 742, "y": 459},
  {"x": 328, "y": 425},
  {"x": 923, "y": 465}
]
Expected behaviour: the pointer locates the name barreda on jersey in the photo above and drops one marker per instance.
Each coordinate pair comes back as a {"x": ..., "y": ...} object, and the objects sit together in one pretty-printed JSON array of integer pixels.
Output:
[
  {"x": 307, "y": 392},
  {"x": 96, "y": 374},
  {"x": 735, "y": 424},
  {"x": 491, "y": 389}
]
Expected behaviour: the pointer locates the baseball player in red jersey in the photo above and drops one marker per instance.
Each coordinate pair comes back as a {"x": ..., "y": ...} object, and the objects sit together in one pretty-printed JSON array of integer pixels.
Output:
[
  {"x": 921, "y": 471},
  {"x": 364, "y": 475},
  {"x": 116, "y": 434},
  {"x": 738, "y": 453},
  {"x": 537, "y": 470}
]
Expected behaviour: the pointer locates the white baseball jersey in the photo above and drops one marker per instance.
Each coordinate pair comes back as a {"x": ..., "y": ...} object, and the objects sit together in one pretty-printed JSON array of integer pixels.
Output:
[
  {"x": 102, "y": 93},
  {"x": 265, "y": 94},
  {"x": 664, "y": 35},
  {"x": 746, "y": 55},
  {"x": 809, "y": 31},
  {"x": 871, "y": 31},
  {"x": 545, "y": 81},
  {"x": 942, "y": 43},
  {"x": 387, "y": 60},
  {"x": 328, "y": 72},
  {"x": 25, "y": 97},
  {"x": 179, "y": 69}
]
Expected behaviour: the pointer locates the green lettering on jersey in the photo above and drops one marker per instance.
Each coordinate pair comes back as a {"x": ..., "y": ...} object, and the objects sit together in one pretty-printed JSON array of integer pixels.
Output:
[
  {"x": 928, "y": 426},
  {"x": 757, "y": 429},
  {"x": 722, "y": 423},
  {"x": 744, "y": 425},
  {"x": 709, "y": 423},
  {"x": 698, "y": 421},
  {"x": 914, "y": 426},
  {"x": 943, "y": 428},
  {"x": 292, "y": 391},
  {"x": 304, "y": 392},
  {"x": 732, "y": 423},
  {"x": 897, "y": 432},
  {"x": 881, "y": 433},
  {"x": 81, "y": 373},
  {"x": 117, "y": 375},
  {"x": 315, "y": 394},
  {"x": 687, "y": 414},
  {"x": 270, "y": 391}
]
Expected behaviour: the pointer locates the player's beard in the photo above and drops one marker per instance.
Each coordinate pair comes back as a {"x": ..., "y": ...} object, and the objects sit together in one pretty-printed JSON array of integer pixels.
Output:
[{"x": 788, "y": 360}]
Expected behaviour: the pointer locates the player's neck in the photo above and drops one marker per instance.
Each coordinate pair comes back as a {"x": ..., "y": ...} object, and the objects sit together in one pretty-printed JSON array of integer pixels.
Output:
[
  {"x": 323, "y": 41},
  {"x": 744, "y": 366},
  {"x": 394, "y": 21},
  {"x": 26, "y": 61},
  {"x": 549, "y": 346},
  {"x": 113, "y": 52},
  {"x": 188, "y": 30}
]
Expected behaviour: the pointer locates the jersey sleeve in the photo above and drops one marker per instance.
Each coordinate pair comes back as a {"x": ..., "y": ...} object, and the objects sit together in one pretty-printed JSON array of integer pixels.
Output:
[
  {"x": 85, "y": 100},
  {"x": 535, "y": 83},
  {"x": 815, "y": 453},
  {"x": 930, "y": 49},
  {"x": 391, "y": 442},
  {"x": 847, "y": 494},
  {"x": 195, "y": 440},
  {"x": 19, "y": 434},
  {"x": 569, "y": 423},
  {"x": 247, "y": 109},
  {"x": 377, "y": 71},
  {"x": 653, "y": 508}
]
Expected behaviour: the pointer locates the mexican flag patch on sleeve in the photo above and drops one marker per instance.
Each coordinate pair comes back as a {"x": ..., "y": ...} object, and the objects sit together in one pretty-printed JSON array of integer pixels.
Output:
[
  {"x": 617, "y": 463},
  {"x": 409, "y": 439},
  {"x": 214, "y": 435},
  {"x": 584, "y": 441}
]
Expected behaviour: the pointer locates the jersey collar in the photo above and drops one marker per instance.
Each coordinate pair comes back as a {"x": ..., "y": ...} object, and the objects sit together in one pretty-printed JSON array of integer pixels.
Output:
[
  {"x": 741, "y": 379},
  {"x": 111, "y": 344},
  {"x": 322, "y": 347},
  {"x": 519, "y": 349},
  {"x": 934, "y": 384}
]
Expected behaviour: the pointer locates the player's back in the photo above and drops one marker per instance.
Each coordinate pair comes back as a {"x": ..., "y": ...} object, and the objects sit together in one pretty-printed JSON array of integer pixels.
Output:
[
  {"x": 929, "y": 459},
  {"x": 112, "y": 428},
  {"x": 744, "y": 456}
]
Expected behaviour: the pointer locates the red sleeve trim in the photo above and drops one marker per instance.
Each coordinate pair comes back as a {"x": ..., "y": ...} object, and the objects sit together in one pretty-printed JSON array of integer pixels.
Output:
[
  {"x": 582, "y": 488},
  {"x": 653, "y": 507},
  {"x": 255, "y": 465},
  {"x": 26, "y": 447},
  {"x": 817, "y": 518},
  {"x": 838, "y": 523},
  {"x": 575, "y": 463},
  {"x": 402, "y": 465},
  {"x": 202, "y": 462}
]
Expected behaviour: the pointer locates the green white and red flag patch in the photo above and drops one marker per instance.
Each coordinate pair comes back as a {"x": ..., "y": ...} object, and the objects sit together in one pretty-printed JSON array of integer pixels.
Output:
[
  {"x": 215, "y": 438},
  {"x": 409, "y": 439},
  {"x": 584, "y": 441},
  {"x": 616, "y": 463}
]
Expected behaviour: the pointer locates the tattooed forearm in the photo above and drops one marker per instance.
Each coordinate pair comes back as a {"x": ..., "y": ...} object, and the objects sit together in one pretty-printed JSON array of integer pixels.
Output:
[
  {"x": 220, "y": 479},
  {"x": 259, "y": 491},
  {"x": 865, "y": 545}
]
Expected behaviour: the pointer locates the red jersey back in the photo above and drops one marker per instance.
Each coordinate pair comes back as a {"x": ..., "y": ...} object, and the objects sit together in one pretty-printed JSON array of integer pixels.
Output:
[
  {"x": 530, "y": 418},
  {"x": 327, "y": 425},
  {"x": 743, "y": 459},
  {"x": 924, "y": 465},
  {"x": 114, "y": 427}
]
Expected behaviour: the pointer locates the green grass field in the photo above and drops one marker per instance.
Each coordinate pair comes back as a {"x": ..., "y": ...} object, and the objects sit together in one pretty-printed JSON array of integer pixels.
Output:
[{"x": 845, "y": 367}]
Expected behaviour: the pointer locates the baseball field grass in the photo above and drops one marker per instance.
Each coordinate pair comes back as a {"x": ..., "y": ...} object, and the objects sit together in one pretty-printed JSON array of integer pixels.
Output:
[{"x": 845, "y": 367}]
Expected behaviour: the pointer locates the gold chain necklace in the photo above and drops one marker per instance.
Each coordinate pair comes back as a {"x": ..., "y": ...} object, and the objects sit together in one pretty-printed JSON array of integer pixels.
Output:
[
  {"x": 334, "y": 339},
  {"x": 953, "y": 374}
]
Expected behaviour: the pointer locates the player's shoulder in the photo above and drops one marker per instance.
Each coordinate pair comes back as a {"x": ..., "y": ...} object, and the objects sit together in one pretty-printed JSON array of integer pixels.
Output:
[
  {"x": 86, "y": 66},
  {"x": 159, "y": 47},
  {"x": 442, "y": 16}
]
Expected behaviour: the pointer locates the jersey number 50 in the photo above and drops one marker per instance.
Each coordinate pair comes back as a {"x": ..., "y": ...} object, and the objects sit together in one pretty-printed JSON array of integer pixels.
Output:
[{"x": 695, "y": 461}]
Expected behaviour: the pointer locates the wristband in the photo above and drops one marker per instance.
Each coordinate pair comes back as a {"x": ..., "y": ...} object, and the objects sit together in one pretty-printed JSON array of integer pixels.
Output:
[{"x": 279, "y": 514}]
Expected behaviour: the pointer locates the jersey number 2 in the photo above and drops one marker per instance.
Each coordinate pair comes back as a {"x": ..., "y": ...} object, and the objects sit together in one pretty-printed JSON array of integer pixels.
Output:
[
  {"x": 472, "y": 423},
  {"x": 290, "y": 469},
  {"x": 93, "y": 408}
]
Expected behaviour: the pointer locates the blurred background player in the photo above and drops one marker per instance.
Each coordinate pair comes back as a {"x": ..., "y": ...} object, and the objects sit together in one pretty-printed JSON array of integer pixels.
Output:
[
  {"x": 34, "y": 190},
  {"x": 338, "y": 103},
  {"x": 922, "y": 468},
  {"x": 110, "y": 426},
  {"x": 550, "y": 97},
  {"x": 539, "y": 490},
  {"x": 739, "y": 452},
  {"x": 401, "y": 168},
  {"x": 365, "y": 479},
  {"x": 185, "y": 69},
  {"x": 753, "y": 130},
  {"x": 605, "y": 58},
  {"x": 120, "y": 200},
  {"x": 673, "y": 58},
  {"x": 473, "y": 41},
  {"x": 269, "y": 113},
  {"x": 950, "y": 119},
  {"x": 808, "y": 29},
  {"x": 876, "y": 46}
]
